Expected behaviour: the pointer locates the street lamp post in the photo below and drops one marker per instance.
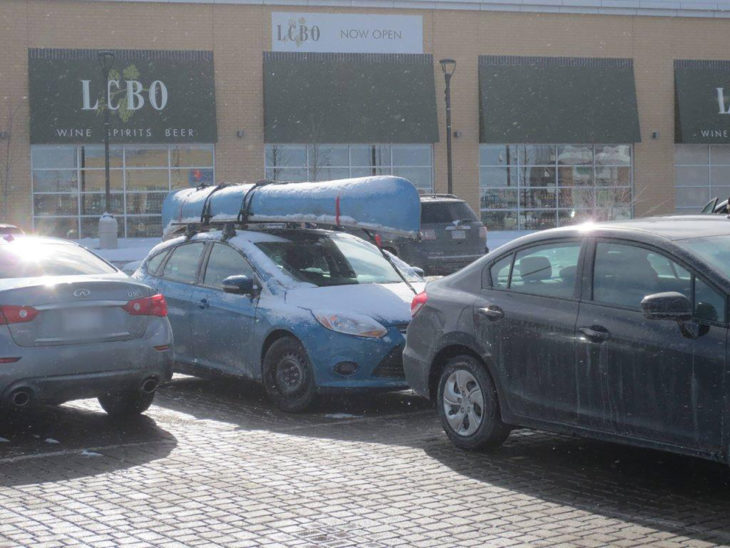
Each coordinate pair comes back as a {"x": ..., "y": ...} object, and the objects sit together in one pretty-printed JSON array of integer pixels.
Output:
[
  {"x": 448, "y": 66},
  {"x": 107, "y": 222}
]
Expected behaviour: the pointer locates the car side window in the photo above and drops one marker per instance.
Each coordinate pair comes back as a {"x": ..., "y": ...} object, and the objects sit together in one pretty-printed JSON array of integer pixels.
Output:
[
  {"x": 225, "y": 261},
  {"x": 154, "y": 263},
  {"x": 624, "y": 274},
  {"x": 182, "y": 266},
  {"x": 499, "y": 272},
  {"x": 549, "y": 270}
]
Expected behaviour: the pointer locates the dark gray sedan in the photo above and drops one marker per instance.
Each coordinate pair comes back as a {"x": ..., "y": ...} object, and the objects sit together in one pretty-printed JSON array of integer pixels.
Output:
[
  {"x": 72, "y": 326},
  {"x": 617, "y": 331}
]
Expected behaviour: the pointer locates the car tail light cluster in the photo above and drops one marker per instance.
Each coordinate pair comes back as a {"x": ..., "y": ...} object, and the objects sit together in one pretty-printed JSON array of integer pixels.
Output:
[
  {"x": 483, "y": 232},
  {"x": 147, "y": 306},
  {"x": 17, "y": 314},
  {"x": 418, "y": 303}
]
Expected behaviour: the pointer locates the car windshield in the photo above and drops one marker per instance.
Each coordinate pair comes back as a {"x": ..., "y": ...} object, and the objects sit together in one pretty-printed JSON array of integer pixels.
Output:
[
  {"x": 446, "y": 212},
  {"x": 714, "y": 250},
  {"x": 30, "y": 259},
  {"x": 326, "y": 261}
]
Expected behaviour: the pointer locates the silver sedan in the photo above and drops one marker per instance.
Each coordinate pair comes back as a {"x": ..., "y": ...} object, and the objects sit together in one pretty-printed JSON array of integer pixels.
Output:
[{"x": 72, "y": 326}]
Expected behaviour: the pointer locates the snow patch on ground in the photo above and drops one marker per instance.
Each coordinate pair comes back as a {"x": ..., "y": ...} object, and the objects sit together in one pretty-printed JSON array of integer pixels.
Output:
[
  {"x": 128, "y": 249},
  {"x": 341, "y": 416},
  {"x": 51, "y": 440}
]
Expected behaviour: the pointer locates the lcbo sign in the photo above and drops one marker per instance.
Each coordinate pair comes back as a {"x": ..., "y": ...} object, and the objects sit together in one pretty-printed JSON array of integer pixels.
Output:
[
  {"x": 346, "y": 33},
  {"x": 154, "y": 96}
]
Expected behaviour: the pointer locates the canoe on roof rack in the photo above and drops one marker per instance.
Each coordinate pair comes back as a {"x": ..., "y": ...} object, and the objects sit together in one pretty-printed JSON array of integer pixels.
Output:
[{"x": 380, "y": 203}]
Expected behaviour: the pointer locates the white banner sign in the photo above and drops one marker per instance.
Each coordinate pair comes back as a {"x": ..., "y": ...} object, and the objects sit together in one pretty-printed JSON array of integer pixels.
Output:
[{"x": 346, "y": 33}]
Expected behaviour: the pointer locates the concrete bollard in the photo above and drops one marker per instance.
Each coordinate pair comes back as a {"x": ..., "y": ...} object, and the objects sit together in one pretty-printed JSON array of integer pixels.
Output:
[{"x": 107, "y": 232}]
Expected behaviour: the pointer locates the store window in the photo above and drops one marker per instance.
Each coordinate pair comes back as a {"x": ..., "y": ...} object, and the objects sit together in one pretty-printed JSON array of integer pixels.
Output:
[
  {"x": 531, "y": 187},
  {"x": 320, "y": 162},
  {"x": 69, "y": 185},
  {"x": 701, "y": 172}
]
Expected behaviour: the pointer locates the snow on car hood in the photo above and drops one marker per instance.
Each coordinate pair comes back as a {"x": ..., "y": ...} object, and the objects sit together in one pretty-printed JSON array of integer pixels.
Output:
[{"x": 387, "y": 303}]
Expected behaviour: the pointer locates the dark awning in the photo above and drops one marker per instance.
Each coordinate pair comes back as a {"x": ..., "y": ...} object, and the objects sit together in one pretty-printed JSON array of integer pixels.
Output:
[
  {"x": 702, "y": 101},
  {"x": 557, "y": 100},
  {"x": 349, "y": 98}
]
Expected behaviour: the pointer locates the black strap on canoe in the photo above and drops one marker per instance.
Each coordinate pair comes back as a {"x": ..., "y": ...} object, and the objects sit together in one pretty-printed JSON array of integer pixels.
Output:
[
  {"x": 245, "y": 209},
  {"x": 205, "y": 214}
]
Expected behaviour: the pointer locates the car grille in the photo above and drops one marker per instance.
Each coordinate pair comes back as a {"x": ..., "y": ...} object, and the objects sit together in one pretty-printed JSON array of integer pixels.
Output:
[
  {"x": 392, "y": 365},
  {"x": 402, "y": 328}
]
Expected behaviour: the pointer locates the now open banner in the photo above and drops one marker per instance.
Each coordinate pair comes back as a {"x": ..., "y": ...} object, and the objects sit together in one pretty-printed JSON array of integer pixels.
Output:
[{"x": 155, "y": 96}]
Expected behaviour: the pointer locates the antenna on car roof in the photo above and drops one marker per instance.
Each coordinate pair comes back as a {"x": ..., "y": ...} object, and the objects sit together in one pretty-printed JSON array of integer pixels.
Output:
[{"x": 377, "y": 241}]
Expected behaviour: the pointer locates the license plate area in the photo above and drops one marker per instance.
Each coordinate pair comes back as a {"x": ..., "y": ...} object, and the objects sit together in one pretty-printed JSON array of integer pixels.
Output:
[
  {"x": 82, "y": 321},
  {"x": 458, "y": 235}
]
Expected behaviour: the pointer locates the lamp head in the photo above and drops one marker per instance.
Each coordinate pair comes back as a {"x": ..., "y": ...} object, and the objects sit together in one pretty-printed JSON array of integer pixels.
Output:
[
  {"x": 448, "y": 66},
  {"x": 106, "y": 60}
]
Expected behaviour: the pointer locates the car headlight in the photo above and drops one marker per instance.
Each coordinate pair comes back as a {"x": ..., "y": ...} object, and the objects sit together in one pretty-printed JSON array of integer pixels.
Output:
[{"x": 350, "y": 324}]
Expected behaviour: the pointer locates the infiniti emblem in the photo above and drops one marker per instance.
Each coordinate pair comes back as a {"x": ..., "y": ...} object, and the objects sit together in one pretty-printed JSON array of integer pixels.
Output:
[{"x": 81, "y": 293}]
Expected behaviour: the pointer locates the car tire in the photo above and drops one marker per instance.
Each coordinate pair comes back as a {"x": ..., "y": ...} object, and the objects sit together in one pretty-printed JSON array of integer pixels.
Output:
[
  {"x": 472, "y": 422},
  {"x": 126, "y": 404},
  {"x": 288, "y": 377}
]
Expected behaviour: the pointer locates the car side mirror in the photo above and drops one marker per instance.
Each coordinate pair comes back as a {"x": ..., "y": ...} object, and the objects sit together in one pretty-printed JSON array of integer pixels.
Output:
[
  {"x": 239, "y": 285},
  {"x": 669, "y": 305},
  {"x": 418, "y": 270}
]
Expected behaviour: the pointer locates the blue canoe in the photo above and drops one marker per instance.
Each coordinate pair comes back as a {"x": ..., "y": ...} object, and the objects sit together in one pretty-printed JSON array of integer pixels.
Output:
[{"x": 381, "y": 203}]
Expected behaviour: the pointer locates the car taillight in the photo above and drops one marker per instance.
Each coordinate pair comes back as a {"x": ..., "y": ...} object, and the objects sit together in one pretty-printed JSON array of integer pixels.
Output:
[
  {"x": 483, "y": 232},
  {"x": 418, "y": 302},
  {"x": 147, "y": 306},
  {"x": 17, "y": 314},
  {"x": 428, "y": 234}
]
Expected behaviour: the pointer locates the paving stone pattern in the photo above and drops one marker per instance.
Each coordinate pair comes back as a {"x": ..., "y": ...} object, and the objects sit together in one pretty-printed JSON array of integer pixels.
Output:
[{"x": 213, "y": 464}]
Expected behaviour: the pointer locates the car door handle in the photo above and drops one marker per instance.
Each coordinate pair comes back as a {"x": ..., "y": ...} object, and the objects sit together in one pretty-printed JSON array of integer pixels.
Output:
[
  {"x": 492, "y": 312},
  {"x": 595, "y": 333},
  {"x": 203, "y": 303}
]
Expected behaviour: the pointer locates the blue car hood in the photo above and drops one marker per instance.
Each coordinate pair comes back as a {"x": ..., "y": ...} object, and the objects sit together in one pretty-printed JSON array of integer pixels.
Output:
[{"x": 390, "y": 304}]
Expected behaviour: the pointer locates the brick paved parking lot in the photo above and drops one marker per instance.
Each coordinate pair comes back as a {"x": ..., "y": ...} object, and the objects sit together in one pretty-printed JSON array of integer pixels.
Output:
[{"x": 213, "y": 464}]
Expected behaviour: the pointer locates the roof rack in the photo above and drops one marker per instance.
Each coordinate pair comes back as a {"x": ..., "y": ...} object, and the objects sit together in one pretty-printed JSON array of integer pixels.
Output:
[
  {"x": 190, "y": 229},
  {"x": 435, "y": 195}
]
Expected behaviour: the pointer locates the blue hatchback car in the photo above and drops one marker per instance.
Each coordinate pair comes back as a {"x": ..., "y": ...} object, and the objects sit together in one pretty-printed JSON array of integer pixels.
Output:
[{"x": 301, "y": 310}]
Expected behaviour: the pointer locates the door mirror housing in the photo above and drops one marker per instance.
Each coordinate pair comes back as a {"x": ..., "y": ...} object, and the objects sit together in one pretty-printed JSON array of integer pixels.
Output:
[
  {"x": 669, "y": 305},
  {"x": 239, "y": 285}
]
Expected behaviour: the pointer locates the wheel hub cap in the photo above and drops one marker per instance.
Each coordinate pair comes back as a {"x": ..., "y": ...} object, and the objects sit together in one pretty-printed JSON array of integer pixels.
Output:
[{"x": 463, "y": 403}]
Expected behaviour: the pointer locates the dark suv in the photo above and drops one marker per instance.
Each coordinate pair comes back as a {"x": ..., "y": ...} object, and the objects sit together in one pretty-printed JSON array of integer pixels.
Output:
[{"x": 451, "y": 236}]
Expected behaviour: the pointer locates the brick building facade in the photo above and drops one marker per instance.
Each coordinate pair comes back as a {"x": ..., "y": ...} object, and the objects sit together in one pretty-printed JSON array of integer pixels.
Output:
[{"x": 552, "y": 170}]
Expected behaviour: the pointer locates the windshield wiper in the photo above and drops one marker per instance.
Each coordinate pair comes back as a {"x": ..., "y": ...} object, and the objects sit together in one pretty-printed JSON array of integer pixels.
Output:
[{"x": 390, "y": 261}]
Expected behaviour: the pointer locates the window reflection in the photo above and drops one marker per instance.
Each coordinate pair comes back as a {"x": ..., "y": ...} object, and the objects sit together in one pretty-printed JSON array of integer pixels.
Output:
[
  {"x": 321, "y": 162},
  {"x": 69, "y": 185},
  {"x": 554, "y": 185},
  {"x": 701, "y": 172}
]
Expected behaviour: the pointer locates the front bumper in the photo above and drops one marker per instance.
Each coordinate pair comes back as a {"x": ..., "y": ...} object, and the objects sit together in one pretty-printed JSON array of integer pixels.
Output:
[{"x": 379, "y": 362}]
